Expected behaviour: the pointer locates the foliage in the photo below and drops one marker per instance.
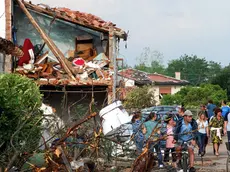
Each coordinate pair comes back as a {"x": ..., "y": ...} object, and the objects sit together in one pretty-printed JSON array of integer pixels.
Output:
[
  {"x": 194, "y": 96},
  {"x": 140, "y": 97},
  {"x": 195, "y": 69},
  {"x": 20, "y": 100},
  {"x": 150, "y": 61},
  {"x": 223, "y": 80}
]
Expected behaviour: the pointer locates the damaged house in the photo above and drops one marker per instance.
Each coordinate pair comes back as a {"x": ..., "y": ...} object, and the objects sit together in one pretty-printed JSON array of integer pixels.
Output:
[
  {"x": 71, "y": 55},
  {"x": 161, "y": 84}
]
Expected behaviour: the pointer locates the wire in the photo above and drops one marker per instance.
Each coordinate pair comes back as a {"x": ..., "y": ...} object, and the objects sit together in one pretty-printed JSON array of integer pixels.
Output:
[{"x": 2, "y": 14}]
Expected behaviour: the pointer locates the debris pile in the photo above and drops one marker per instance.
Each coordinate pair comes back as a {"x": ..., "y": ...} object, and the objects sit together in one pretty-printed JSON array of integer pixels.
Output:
[
  {"x": 90, "y": 151},
  {"x": 84, "y": 62}
]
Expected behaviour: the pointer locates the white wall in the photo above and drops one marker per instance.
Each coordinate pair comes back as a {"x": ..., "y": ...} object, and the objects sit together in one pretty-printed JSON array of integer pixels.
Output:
[
  {"x": 156, "y": 94},
  {"x": 128, "y": 82},
  {"x": 2, "y": 19},
  {"x": 175, "y": 89}
]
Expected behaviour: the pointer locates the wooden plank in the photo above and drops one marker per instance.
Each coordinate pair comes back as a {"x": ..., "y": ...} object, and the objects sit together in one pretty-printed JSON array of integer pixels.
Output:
[
  {"x": 8, "y": 34},
  {"x": 58, "y": 54}
]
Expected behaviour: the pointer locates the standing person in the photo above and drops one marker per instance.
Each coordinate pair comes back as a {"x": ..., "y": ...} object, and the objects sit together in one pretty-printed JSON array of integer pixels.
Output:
[
  {"x": 148, "y": 128},
  {"x": 185, "y": 125},
  {"x": 181, "y": 111},
  {"x": 203, "y": 132},
  {"x": 170, "y": 144},
  {"x": 216, "y": 126},
  {"x": 227, "y": 127},
  {"x": 225, "y": 108},
  {"x": 210, "y": 107},
  {"x": 204, "y": 110},
  {"x": 137, "y": 130}
]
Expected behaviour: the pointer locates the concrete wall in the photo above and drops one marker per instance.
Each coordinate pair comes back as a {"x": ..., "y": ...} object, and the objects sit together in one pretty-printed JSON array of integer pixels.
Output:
[
  {"x": 128, "y": 82},
  {"x": 156, "y": 94},
  {"x": 175, "y": 89}
]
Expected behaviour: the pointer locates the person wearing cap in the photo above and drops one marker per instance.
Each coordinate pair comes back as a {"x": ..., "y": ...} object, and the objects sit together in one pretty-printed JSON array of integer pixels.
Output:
[
  {"x": 185, "y": 131},
  {"x": 216, "y": 126}
]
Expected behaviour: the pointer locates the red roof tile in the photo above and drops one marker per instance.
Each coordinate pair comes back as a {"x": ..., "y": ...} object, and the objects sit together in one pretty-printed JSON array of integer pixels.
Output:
[
  {"x": 156, "y": 78},
  {"x": 81, "y": 18}
]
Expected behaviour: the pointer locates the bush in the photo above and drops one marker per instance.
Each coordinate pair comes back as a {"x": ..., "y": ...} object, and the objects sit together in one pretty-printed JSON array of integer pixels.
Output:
[
  {"x": 194, "y": 96},
  {"x": 20, "y": 100},
  {"x": 140, "y": 97}
]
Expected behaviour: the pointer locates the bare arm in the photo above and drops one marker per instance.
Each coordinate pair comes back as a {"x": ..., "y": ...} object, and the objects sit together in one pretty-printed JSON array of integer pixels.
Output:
[{"x": 225, "y": 126}]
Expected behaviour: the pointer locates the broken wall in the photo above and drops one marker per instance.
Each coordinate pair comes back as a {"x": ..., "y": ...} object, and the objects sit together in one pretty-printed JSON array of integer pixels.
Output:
[
  {"x": 61, "y": 32},
  {"x": 73, "y": 105}
]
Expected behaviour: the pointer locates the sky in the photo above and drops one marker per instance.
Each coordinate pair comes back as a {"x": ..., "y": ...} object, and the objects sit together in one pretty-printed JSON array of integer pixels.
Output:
[{"x": 174, "y": 28}]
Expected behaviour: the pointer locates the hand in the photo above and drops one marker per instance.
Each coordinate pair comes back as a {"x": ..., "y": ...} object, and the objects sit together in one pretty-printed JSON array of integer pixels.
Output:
[
  {"x": 225, "y": 131},
  {"x": 174, "y": 141}
]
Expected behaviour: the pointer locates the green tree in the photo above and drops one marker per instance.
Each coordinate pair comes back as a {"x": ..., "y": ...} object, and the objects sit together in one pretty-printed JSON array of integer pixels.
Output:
[
  {"x": 223, "y": 80},
  {"x": 192, "y": 68},
  {"x": 140, "y": 97},
  {"x": 194, "y": 96},
  {"x": 20, "y": 116},
  {"x": 214, "y": 69},
  {"x": 150, "y": 61}
]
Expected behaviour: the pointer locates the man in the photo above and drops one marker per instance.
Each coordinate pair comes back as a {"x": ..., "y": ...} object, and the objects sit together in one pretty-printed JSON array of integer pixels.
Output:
[
  {"x": 181, "y": 111},
  {"x": 204, "y": 110},
  {"x": 210, "y": 107},
  {"x": 224, "y": 108},
  {"x": 183, "y": 127}
]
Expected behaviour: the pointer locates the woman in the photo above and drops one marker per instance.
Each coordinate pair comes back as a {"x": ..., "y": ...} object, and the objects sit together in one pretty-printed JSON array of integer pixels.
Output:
[
  {"x": 203, "y": 132},
  {"x": 137, "y": 131},
  {"x": 216, "y": 126},
  {"x": 148, "y": 129}
]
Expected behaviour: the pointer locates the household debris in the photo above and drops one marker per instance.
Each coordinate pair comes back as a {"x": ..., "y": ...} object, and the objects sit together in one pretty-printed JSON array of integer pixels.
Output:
[{"x": 85, "y": 63}]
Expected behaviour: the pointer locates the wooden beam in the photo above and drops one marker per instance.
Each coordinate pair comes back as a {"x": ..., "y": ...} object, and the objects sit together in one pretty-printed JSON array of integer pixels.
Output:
[
  {"x": 58, "y": 54},
  {"x": 8, "y": 34},
  {"x": 111, "y": 64}
]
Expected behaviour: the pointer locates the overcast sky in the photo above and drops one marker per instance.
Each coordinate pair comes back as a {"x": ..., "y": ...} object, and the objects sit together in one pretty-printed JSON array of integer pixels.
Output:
[{"x": 173, "y": 27}]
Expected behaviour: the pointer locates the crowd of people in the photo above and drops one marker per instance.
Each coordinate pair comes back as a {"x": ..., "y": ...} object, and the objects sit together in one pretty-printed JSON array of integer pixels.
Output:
[{"x": 210, "y": 125}]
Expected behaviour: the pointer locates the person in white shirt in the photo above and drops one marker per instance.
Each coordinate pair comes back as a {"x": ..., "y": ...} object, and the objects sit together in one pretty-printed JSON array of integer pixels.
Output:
[{"x": 203, "y": 132}]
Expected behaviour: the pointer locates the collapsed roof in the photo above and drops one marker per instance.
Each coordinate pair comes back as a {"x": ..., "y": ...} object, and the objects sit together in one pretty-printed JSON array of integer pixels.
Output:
[
  {"x": 81, "y": 18},
  {"x": 142, "y": 78}
]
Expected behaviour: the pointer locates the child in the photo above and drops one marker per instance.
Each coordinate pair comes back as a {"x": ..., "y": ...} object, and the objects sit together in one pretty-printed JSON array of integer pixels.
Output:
[{"x": 170, "y": 145}]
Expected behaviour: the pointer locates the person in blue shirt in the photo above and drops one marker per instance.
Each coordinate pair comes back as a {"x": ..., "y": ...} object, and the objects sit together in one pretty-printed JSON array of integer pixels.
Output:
[
  {"x": 224, "y": 108},
  {"x": 137, "y": 131},
  {"x": 210, "y": 107},
  {"x": 183, "y": 126}
]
